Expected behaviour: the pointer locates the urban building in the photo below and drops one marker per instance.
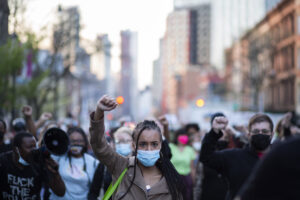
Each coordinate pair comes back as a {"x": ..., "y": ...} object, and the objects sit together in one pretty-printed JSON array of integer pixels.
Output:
[
  {"x": 128, "y": 77},
  {"x": 200, "y": 34},
  {"x": 270, "y": 77},
  {"x": 66, "y": 34}
]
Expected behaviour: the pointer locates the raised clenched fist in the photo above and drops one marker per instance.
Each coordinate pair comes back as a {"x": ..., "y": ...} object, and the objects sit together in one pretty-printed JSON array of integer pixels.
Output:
[
  {"x": 27, "y": 111},
  {"x": 219, "y": 124},
  {"x": 163, "y": 120},
  {"x": 46, "y": 116},
  {"x": 106, "y": 103}
]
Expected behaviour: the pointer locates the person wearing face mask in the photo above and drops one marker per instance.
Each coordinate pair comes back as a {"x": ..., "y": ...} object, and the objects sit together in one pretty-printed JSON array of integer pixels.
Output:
[
  {"x": 148, "y": 174},
  {"x": 77, "y": 168},
  {"x": 183, "y": 157},
  {"x": 21, "y": 177},
  {"x": 123, "y": 141},
  {"x": 208, "y": 178},
  {"x": 237, "y": 164},
  {"x": 277, "y": 176}
]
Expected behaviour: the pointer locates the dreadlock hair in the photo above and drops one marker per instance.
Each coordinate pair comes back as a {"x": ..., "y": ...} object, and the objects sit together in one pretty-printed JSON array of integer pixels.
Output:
[{"x": 164, "y": 164}]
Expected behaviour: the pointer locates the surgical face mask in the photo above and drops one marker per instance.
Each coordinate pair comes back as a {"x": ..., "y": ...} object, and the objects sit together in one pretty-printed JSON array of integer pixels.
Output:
[
  {"x": 123, "y": 149},
  {"x": 21, "y": 160},
  {"x": 148, "y": 158},
  {"x": 197, "y": 146},
  {"x": 183, "y": 139},
  {"x": 260, "y": 142},
  {"x": 76, "y": 149}
]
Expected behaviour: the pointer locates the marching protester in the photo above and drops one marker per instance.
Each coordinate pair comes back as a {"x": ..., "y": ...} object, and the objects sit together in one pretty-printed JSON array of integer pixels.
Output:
[
  {"x": 277, "y": 176},
  {"x": 183, "y": 157},
  {"x": 122, "y": 143},
  {"x": 21, "y": 177},
  {"x": 236, "y": 164},
  {"x": 210, "y": 184},
  {"x": 76, "y": 168},
  {"x": 148, "y": 174}
]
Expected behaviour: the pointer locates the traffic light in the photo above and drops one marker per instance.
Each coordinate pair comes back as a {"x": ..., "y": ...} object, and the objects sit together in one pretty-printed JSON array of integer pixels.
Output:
[
  {"x": 200, "y": 103},
  {"x": 120, "y": 100}
]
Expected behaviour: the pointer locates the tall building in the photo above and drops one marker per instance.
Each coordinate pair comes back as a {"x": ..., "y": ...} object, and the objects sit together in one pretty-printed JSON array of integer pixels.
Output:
[
  {"x": 66, "y": 34},
  {"x": 270, "y": 4},
  {"x": 101, "y": 63},
  {"x": 229, "y": 19},
  {"x": 128, "y": 80},
  {"x": 200, "y": 35}
]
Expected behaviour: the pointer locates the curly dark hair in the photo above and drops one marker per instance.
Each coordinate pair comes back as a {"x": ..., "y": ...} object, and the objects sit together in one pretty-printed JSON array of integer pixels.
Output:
[{"x": 164, "y": 164}]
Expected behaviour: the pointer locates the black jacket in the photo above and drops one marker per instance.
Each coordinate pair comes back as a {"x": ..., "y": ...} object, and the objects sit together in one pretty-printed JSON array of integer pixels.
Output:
[
  {"x": 213, "y": 180},
  {"x": 234, "y": 164},
  {"x": 277, "y": 177},
  {"x": 102, "y": 179}
]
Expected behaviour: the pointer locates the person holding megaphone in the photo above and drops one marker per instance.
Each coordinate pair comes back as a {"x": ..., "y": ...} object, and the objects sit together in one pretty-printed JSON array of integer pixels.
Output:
[
  {"x": 76, "y": 167},
  {"x": 148, "y": 174}
]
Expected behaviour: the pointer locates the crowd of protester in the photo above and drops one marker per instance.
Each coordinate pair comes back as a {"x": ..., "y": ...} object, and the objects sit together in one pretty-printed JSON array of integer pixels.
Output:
[{"x": 148, "y": 160}]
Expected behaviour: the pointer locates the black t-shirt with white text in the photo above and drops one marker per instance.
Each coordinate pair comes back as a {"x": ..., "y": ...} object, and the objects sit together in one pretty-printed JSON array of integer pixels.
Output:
[{"x": 16, "y": 183}]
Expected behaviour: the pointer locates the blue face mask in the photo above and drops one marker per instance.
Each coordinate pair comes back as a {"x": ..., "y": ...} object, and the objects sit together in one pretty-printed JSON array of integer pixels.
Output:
[
  {"x": 21, "y": 160},
  {"x": 123, "y": 149},
  {"x": 148, "y": 158}
]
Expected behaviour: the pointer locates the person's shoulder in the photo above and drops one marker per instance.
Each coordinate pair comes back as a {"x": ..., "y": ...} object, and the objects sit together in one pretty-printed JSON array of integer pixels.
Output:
[
  {"x": 172, "y": 145},
  {"x": 59, "y": 158},
  {"x": 90, "y": 158},
  {"x": 5, "y": 158},
  {"x": 189, "y": 148},
  {"x": 6, "y": 155}
]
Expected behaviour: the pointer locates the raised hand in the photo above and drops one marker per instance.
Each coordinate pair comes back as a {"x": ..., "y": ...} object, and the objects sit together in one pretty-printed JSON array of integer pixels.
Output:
[
  {"x": 27, "y": 111},
  {"x": 52, "y": 165},
  {"x": 106, "y": 103},
  {"x": 219, "y": 124},
  {"x": 163, "y": 120},
  {"x": 45, "y": 116}
]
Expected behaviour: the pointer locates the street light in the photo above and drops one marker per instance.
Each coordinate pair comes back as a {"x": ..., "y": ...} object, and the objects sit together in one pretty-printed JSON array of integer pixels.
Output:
[
  {"x": 120, "y": 100},
  {"x": 200, "y": 103}
]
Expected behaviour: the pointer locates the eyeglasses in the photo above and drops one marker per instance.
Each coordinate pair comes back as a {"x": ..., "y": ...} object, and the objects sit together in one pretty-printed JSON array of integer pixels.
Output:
[
  {"x": 123, "y": 141},
  {"x": 262, "y": 131}
]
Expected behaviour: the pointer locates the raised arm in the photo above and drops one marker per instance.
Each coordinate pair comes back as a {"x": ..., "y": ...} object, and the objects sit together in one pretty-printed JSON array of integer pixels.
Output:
[
  {"x": 114, "y": 162},
  {"x": 27, "y": 112},
  {"x": 43, "y": 118},
  {"x": 163, "y": 120},
  {"x": 208, "y": 154}
]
